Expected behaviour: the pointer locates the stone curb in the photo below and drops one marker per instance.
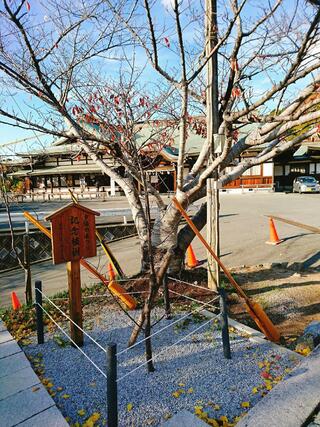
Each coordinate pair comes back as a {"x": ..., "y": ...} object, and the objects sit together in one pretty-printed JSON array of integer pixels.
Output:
[{"x": 292, "y": 402}]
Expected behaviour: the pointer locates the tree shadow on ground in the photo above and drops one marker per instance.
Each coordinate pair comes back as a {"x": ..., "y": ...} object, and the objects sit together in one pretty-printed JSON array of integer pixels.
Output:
[{"x": 265, "y": 289}]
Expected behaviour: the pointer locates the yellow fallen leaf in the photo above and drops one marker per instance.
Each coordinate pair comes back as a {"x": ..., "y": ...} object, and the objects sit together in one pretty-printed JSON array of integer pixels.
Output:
[
  {"x": 190, "y": 390},
  {"x": 216, "y": 407},
  {"x": 92, "y": 420},
  {"x": 204, "y": 415},
  {"x": 81, "y": 412},
  {"x": 254, "y": 390},
  {"x": 129, "y": 407},
  {"x": 224, "y": 419},
  {"x": 65, "y": 396},
  {"x": 176, "y": 394},
  {"x": 198, "y": 410},
  {"x": 260, "y": 365},
  {"x": 245, "y": 404},
  {"x": 181, "y": 385},
  {"x": 213, "y": 422},
  {"x": 59, "y": 388},
  {"x": 49, "y": 385}
]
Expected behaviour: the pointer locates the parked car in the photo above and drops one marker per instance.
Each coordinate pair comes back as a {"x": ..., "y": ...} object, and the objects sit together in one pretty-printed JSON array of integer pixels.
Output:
[{"x": 306, "y": 184}]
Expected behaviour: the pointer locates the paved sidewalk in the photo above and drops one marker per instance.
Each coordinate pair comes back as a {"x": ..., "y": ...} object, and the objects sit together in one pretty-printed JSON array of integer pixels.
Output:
[{"x": 23, "y": 399}]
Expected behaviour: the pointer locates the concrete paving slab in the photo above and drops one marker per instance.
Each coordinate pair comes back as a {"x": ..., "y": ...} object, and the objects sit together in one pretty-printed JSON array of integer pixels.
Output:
[
  {"x": 292, "y": 401},
  {"x": 8, "y": 348},
  {"x": 5, "y": 336},
  {"x": 21, "y": 406},
  {"x": 18, "y": 381},
  {"x": 2, "y": 327},
  {"x": 11, "y": 364},
  {"x": 184, "y": 419},
  {"x": 49, "y": 418}
]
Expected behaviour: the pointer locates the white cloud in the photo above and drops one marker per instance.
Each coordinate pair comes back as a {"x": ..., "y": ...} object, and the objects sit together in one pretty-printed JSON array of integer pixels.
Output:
[{"x": 167, "y": 4}]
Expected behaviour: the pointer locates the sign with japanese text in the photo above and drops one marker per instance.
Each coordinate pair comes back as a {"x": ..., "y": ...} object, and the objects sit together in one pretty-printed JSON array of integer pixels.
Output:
[{"x": 73, "y": 233}]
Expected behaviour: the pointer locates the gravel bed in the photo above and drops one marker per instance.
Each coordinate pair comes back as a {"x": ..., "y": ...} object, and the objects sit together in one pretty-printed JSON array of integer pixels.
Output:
[{"x": 191, "y": 375}]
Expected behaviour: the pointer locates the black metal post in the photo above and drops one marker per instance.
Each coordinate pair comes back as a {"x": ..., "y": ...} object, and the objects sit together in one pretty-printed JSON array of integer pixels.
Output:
[
  {"x": 224, "y": 324},
  {"x": 112, "y": 389},
  {"x": 166, "y": 297},
  {"x": 27, "y": 271},
  {"x": 39, "y": 312}
]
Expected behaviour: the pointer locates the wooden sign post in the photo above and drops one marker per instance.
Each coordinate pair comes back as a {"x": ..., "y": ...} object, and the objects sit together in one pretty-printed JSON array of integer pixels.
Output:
[{"x": 73, "y": 238}]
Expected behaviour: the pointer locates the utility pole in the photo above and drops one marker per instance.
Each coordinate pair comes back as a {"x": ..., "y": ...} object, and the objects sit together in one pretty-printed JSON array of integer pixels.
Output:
[{"x": 212, "y": 135}]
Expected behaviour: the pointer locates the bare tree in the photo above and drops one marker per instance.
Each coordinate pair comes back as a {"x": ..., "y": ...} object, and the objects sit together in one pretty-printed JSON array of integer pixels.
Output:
[{"x": 80, "y": 66}]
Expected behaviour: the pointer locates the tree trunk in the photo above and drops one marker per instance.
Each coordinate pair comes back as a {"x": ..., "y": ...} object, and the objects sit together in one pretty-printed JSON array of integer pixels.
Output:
[
  {"x": 149, "y": 303},
  {"x": 184, "y": 238}
]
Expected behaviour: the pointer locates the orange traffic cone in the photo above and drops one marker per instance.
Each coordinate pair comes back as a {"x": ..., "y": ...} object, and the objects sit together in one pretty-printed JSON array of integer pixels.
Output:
[
  {"x": 191, "y": 258},
  {"x": 274, "y": 238},
  {"x": 111, "y": 272},
  {"x": 15, "y": 301}
]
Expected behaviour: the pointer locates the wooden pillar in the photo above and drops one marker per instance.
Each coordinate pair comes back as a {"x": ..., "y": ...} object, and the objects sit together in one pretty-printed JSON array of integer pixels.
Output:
[
  {"x": 75, "y": 306},
  {"x": 212, "y": 133},
  {"x": 213, "y": 233}
]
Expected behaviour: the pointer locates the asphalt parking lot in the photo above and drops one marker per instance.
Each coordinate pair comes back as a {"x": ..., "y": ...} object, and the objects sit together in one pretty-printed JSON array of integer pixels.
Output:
[{"x": 244, "y": 231}]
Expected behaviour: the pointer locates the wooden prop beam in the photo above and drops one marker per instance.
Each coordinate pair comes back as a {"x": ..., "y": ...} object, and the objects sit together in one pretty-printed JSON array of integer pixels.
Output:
[
  {"x": 296, "y": 224},
  {"x": 253, "y": 308}
]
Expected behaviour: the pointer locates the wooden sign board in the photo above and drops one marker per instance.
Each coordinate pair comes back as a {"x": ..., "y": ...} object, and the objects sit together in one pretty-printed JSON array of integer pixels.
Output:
[{"x": 73, "y": 233}]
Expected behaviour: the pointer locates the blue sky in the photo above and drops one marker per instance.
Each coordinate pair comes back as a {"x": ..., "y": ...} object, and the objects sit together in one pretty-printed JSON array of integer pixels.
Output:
[{"x": 38, "y": 15}]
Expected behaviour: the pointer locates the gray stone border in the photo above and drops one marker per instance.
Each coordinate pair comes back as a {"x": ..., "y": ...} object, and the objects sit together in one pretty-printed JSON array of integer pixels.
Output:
[{"x": 23, "y": 399}]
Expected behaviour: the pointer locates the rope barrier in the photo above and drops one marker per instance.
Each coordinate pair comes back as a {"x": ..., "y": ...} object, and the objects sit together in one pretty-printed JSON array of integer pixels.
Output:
[
  {"x": 64, "y": 332},
  {"x": 195, "y": 300},
  {"x": 165, "y": 350},
  {"x": 98, "y": 296},
  {"x": 192, "y": 284},
  {"x": 67, "y": 317},
  {"x": 167, "y": 326}
]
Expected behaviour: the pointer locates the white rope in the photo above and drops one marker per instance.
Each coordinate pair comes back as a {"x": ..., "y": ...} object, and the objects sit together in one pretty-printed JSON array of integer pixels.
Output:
[
  {"x": 192, "y": 284},
  {"x": 98, "y": 296},
  {"x": 165, "y": 350},
  {"x": 62, "y": 330},
  {"x": 166, "y": 327},
  {"x": 65, "y": 315},
  {"x": 193, "y": 299}
]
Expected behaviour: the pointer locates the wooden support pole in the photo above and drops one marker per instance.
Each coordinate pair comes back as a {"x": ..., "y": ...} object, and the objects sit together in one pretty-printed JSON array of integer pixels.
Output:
[
  {"x": 75, "y": 306},
  {"x": 213, "y": 233},
  {"x": 296, "y": 224},
  {"x": 212, "y": 104}
]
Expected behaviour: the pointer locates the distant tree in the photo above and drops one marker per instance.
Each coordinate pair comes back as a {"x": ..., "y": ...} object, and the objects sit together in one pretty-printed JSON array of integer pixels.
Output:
[{"x": 79, "y": 66}]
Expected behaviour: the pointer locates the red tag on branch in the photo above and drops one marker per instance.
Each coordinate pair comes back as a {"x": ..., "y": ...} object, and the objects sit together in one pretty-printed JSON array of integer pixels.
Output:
[
  {"x": 236, "y": 92},
  {"x": 28, "y": 6},
  {"x": 167, "y": 42}
]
